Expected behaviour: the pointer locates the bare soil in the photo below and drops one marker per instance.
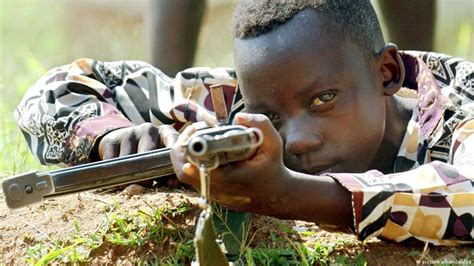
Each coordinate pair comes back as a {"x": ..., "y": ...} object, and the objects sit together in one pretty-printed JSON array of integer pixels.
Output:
[{"x": 54, "y": 218}]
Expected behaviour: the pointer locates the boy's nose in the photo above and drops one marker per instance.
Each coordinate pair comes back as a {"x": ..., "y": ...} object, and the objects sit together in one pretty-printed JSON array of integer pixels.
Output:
[{"x": 302, "y": 136}]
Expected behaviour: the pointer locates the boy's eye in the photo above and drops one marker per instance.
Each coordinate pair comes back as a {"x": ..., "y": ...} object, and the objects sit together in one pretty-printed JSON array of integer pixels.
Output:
[{"x": 323, "y": 98}]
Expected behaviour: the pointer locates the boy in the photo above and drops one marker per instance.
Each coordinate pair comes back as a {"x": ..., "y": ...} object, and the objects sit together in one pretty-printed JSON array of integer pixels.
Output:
[{"x": 318, "y": 79}]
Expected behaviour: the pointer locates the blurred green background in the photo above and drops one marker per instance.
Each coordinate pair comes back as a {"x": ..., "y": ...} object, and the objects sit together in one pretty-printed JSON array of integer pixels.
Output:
[{"x": 36, "y": 35}]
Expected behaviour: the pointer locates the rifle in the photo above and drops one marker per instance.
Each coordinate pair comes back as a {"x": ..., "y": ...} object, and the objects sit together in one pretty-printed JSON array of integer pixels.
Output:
[{"x": 218, "y": 145}]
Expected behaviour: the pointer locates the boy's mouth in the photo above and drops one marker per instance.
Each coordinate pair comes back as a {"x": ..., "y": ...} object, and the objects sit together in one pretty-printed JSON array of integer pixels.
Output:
[
  {"x": 315, "y": 170},
  {"x": 319, "y": 170},
  {"x": 308, "y": 163}
]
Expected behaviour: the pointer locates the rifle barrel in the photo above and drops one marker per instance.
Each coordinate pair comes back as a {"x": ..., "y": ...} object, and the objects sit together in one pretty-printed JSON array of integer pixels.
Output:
[
  {"x": 113, "y": 172},
  {"x": 24, "y": 189}
]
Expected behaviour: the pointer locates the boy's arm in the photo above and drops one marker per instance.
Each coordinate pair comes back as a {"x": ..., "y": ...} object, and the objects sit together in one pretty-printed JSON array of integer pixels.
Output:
[
  {"x": 433, "y": 203},
  {"x": 64, "y": 114}
]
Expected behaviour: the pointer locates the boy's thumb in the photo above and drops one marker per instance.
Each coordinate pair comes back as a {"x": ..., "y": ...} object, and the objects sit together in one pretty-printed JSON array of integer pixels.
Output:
[{"x": 259, "y": 121}]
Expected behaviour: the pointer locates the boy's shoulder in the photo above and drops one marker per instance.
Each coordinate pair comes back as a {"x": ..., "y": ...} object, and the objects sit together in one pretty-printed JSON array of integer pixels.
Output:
[
  {"x": 452, "y": 75},
  {"x": 444, "y": 87}
]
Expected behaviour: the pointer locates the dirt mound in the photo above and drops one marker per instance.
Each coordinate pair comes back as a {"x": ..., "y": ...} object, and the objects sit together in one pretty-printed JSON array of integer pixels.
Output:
[{"x": 29, "y": 234}]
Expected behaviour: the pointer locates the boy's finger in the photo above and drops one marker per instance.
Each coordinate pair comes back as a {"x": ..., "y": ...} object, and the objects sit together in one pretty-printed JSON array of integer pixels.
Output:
[
  {"x": 254, "y": 120},
  {"x": 168, "y": 135},
  {"x": 147, "y": 143},
  {"x": 108, "y": 150},
  {"x": 190, "y": 175},
  {"x": 235, "y": 173},
  {"x": 190, "y": 169},
  {"x": 128, "y": 146},
  {"x": 188, "y": 131}
]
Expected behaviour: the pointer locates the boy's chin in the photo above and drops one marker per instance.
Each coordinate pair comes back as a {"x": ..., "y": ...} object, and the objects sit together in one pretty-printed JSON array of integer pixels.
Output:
[
  {"x": 315, "y": 170},
  {"x": 327, "y": 169}
]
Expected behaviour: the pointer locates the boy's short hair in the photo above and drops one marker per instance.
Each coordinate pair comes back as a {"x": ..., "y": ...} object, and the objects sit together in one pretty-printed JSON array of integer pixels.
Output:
[{"x": 354, "y": 18}]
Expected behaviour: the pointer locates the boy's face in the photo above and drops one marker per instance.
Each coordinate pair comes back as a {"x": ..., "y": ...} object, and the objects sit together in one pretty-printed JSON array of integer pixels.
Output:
[{"x": 320, "y": 92}]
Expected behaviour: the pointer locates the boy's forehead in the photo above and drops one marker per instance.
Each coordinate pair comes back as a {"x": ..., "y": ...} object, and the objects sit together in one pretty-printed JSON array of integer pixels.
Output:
[{"x": 308, "y": 30}]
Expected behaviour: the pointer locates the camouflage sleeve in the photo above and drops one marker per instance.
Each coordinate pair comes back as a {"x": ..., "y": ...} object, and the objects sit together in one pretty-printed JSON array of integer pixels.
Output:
[
  {"x": 432, "y": 203},
  {"x": 70, "y": 107}
]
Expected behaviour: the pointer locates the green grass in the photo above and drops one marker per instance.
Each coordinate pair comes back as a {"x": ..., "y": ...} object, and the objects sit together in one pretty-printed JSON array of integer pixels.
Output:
[
  {"x": 151, "y": 230},
  {"x": 15, "y": 156},
  {"x": 160, "y": 237},
  {"x": 23, "y": 50}
]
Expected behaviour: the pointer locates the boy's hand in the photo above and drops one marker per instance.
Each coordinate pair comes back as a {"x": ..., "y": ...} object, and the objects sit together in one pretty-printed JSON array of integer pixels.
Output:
[
  {"x": 256, "y": 185},
  {"x": 138, "y": 139}
]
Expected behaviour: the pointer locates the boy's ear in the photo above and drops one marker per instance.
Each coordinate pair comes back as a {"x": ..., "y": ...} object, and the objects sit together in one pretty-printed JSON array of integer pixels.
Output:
[{"x": 392, "y": 69}]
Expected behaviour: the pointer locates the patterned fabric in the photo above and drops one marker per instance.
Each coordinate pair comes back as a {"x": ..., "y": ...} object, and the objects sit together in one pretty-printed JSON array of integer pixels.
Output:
[
  {"x": 69, "y": 108},
  {"x": 430, "y": 197}
]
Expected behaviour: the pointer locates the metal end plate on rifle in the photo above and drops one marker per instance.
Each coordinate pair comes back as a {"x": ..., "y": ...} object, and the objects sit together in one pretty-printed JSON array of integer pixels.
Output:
[{"x": 27, "y": 188}]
